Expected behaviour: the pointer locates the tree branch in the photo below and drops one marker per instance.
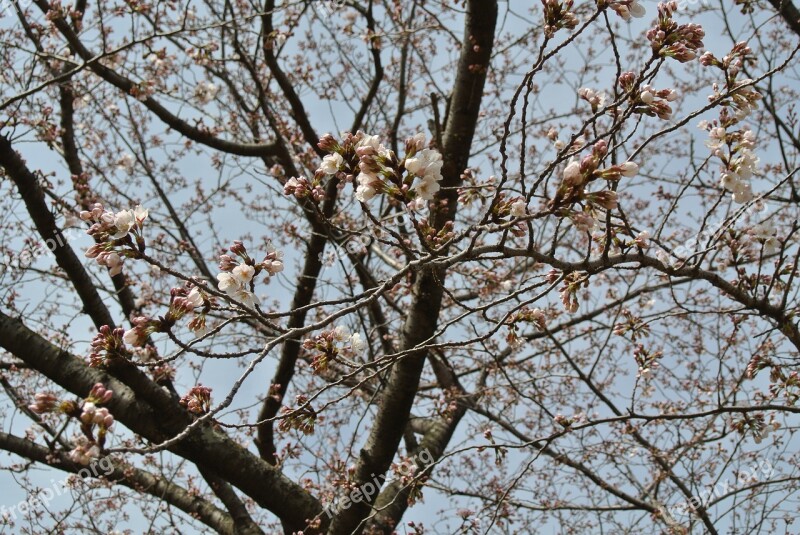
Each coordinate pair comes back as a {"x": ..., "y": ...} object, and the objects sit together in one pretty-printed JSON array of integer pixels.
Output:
[
  {"x": 128, "y": 87},
  {"x": 205, "y": 446},
  {"x": 134, "y": 478},
  {"x": 420, "y": 325},
  {"x": 789, "y": 12},
  {"x": 33, "y": 196}
]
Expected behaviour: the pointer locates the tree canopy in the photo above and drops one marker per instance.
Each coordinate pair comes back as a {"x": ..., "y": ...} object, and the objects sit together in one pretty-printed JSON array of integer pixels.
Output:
[{"x": 363, "y": 266}]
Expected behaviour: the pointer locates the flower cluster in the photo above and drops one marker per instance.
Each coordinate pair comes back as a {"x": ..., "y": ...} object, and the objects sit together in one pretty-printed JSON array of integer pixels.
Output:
[
  {"x": 197, "y": 400},
  {"x": 786, "y": 384},
  {"x": 741, "y": 95},
  {"x": 362, "y": 159},
  {"x": 114, "y": 234},
  {"x": 626, "y": 8},
  {"x": 236, "y": 279},
  {"x": 302, "y": 187},
  {"x": 647, "y": 100},
  {"x": 766, "y": 235},
  {"x": 420, "y": 162},
  {"x": 237, "y": 283},
  {"x": 425, "y": 164},
  {"x": 106, "y": 345},
  {"x": 671, "y": 40},
  {"x": 760, "y": 359},
  {"x": 734, "y": 149},
  {"x": 411, "y": 476},
  {"x": 127, "y": 163},
  {"x": 45, "y": 402},
  {"x": 534, "y": 316},
  {"x": 646, "y": 360},
  {"x": 84, "y": 451},
  {"x": 205, "y": 92},
  {"x": 596, "y": 99},
  {"x": 374, "y": 162},
  {"x": 436, "y": 238},
  {"x": 558, "y": 14},
  {"x": 142, "y": 328},
  {"x": 578, "y": 174},
  {"x": 183, "y": 301},
  {"x": 633, "y": 325},
  {"x": 92, "y": 415},
  {"x": 328, "y": 345},
  {"x": 203, "y": 54},
  {"x": 569, "y": 291},
  {"x": 303, "y": 418},
  {"x": 160, "y": 64},
  {"x": 756, "y": 425},
  {"x": 88, "y": 446},
  {"x": 564, "y": 421}
]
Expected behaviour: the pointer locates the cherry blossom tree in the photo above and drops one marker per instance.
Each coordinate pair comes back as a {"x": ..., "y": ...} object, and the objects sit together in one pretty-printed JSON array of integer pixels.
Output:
[{"x": 417, "y": 267}]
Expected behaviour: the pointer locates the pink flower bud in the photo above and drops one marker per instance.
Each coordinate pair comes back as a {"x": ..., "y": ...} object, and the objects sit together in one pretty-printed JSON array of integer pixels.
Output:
[
  {"x": 43, "y": 403},
  {"x": 227, "y": 263},
  {"x": 626, "y": 80},
  {"x": 94, "y": 251},
  {"x": 327, "y": 143},
  {"x": 600, "y": 148},
  {"x": 605, "y": 199}
]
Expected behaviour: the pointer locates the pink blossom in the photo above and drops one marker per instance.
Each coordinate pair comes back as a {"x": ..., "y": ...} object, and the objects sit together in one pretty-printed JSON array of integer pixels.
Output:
[{"x": 583, "y": 221}]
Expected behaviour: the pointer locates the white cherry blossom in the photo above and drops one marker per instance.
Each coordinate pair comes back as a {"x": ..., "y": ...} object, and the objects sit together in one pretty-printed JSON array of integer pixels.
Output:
[
  {"x": 518, "y": 208},
  {"x": 332, "y": 163},
  {"x": 425, "y": 163},
  {"x": 426, "y": 188},
  {"x": 364, "y": 193},
  {"x": 357, "y": 343},
  {"x": 124, "y": 221}
]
